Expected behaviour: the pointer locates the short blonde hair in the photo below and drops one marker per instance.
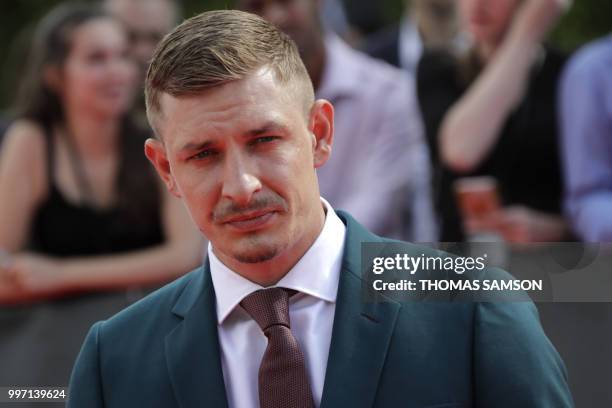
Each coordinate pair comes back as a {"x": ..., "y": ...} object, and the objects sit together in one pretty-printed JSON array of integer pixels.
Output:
[{"x": 218, "y": 47}]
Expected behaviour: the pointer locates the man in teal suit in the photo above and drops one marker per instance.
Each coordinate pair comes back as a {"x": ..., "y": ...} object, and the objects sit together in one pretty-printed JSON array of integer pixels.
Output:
[{"x": 238, "y": 138}]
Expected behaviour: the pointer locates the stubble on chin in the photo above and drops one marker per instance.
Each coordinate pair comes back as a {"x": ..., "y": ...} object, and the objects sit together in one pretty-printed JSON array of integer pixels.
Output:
[
  {"x": 256, "y": 257},
  {"x": 257, "y": 251}
]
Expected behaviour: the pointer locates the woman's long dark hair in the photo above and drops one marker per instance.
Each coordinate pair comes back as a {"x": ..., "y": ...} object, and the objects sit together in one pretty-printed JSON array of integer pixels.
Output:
[
  {"x": 138, "y": 190},
  {"x": 51, "y": 46}
]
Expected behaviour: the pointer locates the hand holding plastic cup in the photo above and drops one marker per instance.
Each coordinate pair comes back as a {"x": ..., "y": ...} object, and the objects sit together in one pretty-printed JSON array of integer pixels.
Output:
[{"x": 477, "y": 197}]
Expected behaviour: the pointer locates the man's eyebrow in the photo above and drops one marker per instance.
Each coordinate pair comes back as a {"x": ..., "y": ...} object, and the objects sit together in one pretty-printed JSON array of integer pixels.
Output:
[
  {"x": 269, "y": 127},
  {"x": 195, "y": 146}
]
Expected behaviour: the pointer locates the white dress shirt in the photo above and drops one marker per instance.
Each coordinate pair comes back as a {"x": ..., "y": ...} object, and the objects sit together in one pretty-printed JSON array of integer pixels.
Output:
[
  {"x": 410, "y": 46},
  {"x": 379, "y": 167},
  {"x": 311, "y": 314}
]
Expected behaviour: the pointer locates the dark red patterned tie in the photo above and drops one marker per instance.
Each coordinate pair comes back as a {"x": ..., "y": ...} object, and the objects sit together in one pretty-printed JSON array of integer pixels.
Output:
[{"x": 283, "y": 381}]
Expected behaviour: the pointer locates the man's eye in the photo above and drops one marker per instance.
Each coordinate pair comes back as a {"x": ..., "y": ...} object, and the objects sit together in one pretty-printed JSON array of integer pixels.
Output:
[
  {"x": 264, "y": 139},
  {"x": 204, "y": 154}
]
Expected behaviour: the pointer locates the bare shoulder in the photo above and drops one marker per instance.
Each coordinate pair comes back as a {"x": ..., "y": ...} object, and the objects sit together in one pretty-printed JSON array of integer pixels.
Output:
[
  {"x": 23, "y": 154},
  {"x": 24, "y": 136}
]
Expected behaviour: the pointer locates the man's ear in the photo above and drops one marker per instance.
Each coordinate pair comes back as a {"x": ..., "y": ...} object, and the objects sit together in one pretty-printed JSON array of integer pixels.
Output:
[
  {"x": 156, "y": 153},
  {"x": 322, "y": 128}
]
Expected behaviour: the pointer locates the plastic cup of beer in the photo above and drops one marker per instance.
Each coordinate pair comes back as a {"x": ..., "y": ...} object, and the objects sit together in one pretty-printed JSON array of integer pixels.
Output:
[{"x": 477, "y": 197}]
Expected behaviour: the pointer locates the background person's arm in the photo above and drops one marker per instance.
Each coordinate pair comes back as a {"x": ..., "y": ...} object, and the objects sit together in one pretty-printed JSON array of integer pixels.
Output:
[
  {"x": 586, "y": 130},
  {"x": 22, "y": 186},
  {"x": 22, "y": 182},
  {"x": 181, "y": 252},
  {"x": 520, "y": 224},
  {"x": 472, "y": 126}
]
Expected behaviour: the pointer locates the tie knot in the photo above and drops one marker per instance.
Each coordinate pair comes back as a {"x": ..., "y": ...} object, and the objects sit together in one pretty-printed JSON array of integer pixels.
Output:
[{"x": 268, "y": 307}]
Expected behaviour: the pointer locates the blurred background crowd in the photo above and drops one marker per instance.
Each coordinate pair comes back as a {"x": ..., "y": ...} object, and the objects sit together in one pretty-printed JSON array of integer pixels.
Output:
[{"x": 455, "y": 120}]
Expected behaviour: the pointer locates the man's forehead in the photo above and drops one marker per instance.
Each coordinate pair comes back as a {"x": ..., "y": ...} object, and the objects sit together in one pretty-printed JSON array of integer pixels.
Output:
[
  {"x": 254, "y": 92},
  {"x": 190, "y": 119}
]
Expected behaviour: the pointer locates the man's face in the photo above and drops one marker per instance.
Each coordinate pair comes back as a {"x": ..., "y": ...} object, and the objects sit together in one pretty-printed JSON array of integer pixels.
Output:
[
  {"x": 242, "y": 156},
  {"x": 299, "y": 19},
  {"x": 146, "y": 21}
]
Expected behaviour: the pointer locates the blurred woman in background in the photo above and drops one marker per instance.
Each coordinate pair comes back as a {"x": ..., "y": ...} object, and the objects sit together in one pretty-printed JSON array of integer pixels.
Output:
[
  {"x": 81, "y": 209},
  {"x": 491, "y": 111}
]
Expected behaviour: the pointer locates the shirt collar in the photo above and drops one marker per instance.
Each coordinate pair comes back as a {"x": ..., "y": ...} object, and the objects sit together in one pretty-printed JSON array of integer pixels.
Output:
[{"x": 316, "y": 273}]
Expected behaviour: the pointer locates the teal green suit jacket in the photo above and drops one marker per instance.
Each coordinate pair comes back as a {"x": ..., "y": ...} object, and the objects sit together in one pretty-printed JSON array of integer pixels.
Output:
[{"x": 163, "y": 351}]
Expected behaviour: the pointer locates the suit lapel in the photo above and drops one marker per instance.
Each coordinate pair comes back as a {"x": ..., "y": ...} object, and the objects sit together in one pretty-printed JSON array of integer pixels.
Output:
[
  {"x": 361, "y": 333},
  {"x": 192, "y": 348}
]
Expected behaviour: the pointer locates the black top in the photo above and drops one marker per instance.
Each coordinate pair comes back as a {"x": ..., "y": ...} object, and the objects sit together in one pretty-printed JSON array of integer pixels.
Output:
[
  {"x": 62, "y": 228},
  {"x": 525, "y": 160},
  {"x": 4, "y": 125}
]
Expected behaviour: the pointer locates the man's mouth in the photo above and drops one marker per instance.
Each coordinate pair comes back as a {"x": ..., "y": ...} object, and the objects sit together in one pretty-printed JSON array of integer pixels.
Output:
[{"x": 250, "y": 221}]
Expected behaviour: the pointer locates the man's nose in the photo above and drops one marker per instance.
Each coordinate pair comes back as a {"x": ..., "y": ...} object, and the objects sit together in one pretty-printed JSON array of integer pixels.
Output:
[{"x": 240, "y": 181}]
